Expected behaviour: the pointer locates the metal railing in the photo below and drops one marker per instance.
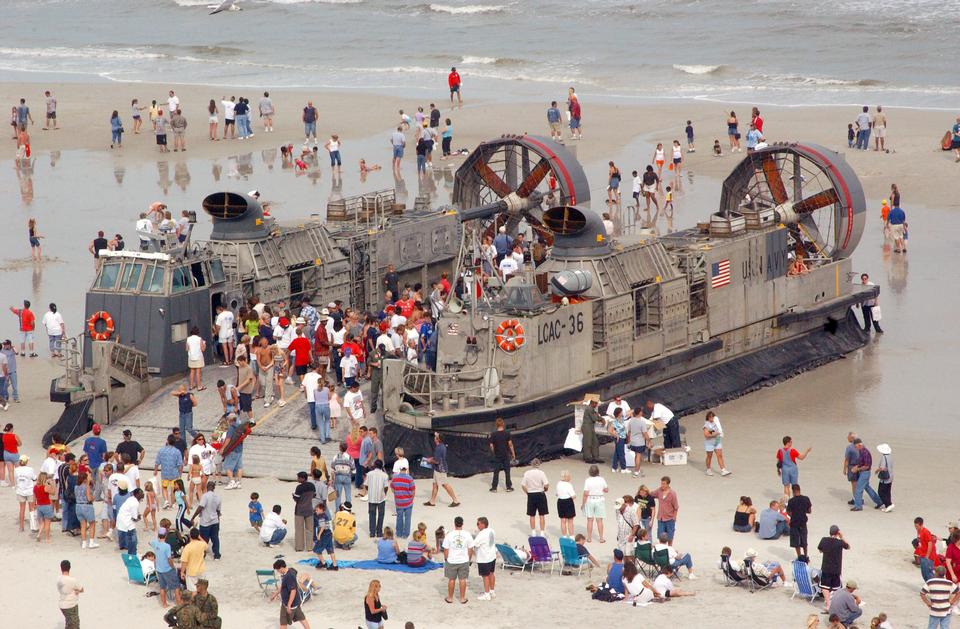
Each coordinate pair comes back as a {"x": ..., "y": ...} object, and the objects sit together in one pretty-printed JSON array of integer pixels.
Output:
[
  {"x": 129, "y": 360},
  {"x": 447, "y": 390}
]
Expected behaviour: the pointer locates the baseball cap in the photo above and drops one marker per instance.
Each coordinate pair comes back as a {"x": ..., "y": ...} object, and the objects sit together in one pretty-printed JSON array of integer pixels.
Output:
[
  {"x": 127, "y": 432},
  {"x": 96, "y": 429},
  {"x": 161, "y": 532},
  {"x": 24, "y": 459},
  {"x": 851, "y": 584},
  {"x": 952, "y": 525},
  {"x": 284, "y": 322},
  {"x": 122, "y": 484},
  {"x": 332, "y": 304}
]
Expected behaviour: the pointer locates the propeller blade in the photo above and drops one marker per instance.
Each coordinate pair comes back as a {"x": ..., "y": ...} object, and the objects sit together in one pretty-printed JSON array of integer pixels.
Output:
[
  {"x": 774, "y": 180},
  {"x": 491, "y": 178},
  {"x": 533, "y": 180},
  {"x": 817, "y": 201}
]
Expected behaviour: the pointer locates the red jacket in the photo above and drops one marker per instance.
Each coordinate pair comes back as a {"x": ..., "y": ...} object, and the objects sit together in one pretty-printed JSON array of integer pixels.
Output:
[{"x": 454, "y": 79}]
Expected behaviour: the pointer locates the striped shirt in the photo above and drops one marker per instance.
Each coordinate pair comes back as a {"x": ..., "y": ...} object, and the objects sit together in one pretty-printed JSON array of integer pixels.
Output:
[
  {"x": 403, "y": 490},
  {"x": 938, "y": 592}
]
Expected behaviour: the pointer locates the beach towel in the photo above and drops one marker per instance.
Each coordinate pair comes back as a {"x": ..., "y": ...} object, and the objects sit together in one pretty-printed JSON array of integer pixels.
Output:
[{"x": 371, "y": 564}]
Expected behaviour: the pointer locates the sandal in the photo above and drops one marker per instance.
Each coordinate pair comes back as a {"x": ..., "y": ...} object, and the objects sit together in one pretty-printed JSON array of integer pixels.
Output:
[
  {"x": 446, "y": 599},
  {"x": 454, "y": 504},
  {"x": 429, "y": 504}
]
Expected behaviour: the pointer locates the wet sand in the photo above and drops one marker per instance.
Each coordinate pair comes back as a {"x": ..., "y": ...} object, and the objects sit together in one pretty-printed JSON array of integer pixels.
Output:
[{"x": 895, "y": 390}]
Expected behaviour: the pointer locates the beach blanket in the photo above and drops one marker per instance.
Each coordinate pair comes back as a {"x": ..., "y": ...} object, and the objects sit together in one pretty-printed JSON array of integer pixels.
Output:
[{"x": 371, "y": 564}]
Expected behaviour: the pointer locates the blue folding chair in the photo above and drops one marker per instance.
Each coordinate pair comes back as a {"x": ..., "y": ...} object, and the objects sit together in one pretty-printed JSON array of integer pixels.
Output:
[
  {"x": 510, "y": 559},
  {"x": 802, "y": 585},
  {"x": 570, "y": 558},
  {"x": 135, "y": 570}
]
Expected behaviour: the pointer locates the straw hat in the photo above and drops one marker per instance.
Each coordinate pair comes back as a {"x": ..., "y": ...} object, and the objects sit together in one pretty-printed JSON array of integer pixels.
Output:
[
  {"x": 884, "y": 448},
  {"x": 750, "y": 554}
]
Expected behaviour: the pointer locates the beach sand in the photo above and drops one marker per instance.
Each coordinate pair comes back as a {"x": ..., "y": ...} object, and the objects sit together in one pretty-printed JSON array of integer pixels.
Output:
[{"x": 864, "y": 392}]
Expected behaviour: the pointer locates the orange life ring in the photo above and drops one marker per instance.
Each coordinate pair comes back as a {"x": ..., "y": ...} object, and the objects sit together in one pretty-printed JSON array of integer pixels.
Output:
[
  {"x": 108, "y": 328},
  {"x": 510, "y": 335}
]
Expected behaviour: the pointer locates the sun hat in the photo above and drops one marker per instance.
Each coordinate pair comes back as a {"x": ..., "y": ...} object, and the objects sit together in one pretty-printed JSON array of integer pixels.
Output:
[
  {"x": 884, "y": 448},
  {"x": 750, "y": 554}
]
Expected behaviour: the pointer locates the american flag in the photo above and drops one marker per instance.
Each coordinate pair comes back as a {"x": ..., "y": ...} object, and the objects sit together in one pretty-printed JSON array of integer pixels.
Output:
[{"x": 720, "y": 273}]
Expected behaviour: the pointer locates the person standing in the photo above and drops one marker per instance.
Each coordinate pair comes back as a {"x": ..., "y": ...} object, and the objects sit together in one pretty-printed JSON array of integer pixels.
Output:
[
  {"x": 850, "y": 458},
  {"x": 798, "y": 509},
  {"x": 439, "y": 463},
  {"x": 879, "y": 130},
  {"x": 289, "y": 595},
  {"x": 179, "y": 126},
  {"x": 575, "y": 112},
  {"x": 169, "y": 463},
  {"x": 639, "y": 440},
  {"x": 885, "y": 476},
  {"x": 397, "y": 141},
  {"x": 27, "y": 324},
  {"x": 266, "y": 112},
  {"x": 51, "y": 111},
  {"x": 185, "y": 403},
  {"x": 196, "y": 348},
  {"x": 333, "y": 148},
  {"x": 485, "y": 548},
  {"x": 618, "y": 430},
  {"x": 553, "y": 119},
  {"x": 167, "y": 576},
  {"x": 668, "y": 508},
  {"x": 501, "y": 446},
  {"x": 378, "y": 484},
  {"x": 926, "y": 549},
  {"x": 229, "y": 117},
  {"x": 940, "y": 595},
  {"x": 863, "y": 129},
  {"x": 127, "y": 517},
  {"x": 116, "y": 130},
  {"x": 208, "y": 511},
  {"x": 309, "y": 119},
  {"x": 787, "y": 459},
  {"x": 303, "y": 496},
  {"x": 457, "y": 552},
  {"x": 536, "y": 485},
  {"x": 23, "y": 115},
  {"x": 374, "y": 612},
  {"x": 160, "y": 129},
  {"x": 70, "y": 591},
  {"x": 863, "y": 469},
  {"x": 56, "y": 330},
  {"x": 454, "y": 83},
  {"x": 192, "y": 561},
  {"x": 241, "y": 114},
  {"x": 225, "y": 333},
  {"x": 831, "y": 566},
  {"x": 671, "y": 424},
  {"x": 588, "y": 428},
  {"x": 593, "y": 504},
  {"x": 404, "y": 491},
  {"x": 713, "y": 443},
  {"x": 896, "y": 225}
]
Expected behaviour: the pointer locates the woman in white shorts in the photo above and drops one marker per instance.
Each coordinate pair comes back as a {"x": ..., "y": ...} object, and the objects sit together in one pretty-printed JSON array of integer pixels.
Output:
[
  {"x": 713, "y": 443},
  {"x": 594, "y": 503},
  {"x": 213, "y": 119}
]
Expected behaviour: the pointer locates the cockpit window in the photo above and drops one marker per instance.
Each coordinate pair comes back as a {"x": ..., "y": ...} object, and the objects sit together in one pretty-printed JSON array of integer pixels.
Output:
[
  {"x": 131, "y": 276},
  {"x": 153, "y": 280},
  {"x": 108, "y": 276},
  {"x": 181, "y": 280},
  {"x": 216, "y": 271}
]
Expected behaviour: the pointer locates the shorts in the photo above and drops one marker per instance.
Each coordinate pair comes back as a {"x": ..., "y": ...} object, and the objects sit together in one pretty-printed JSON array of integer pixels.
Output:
[
  {"x": 636, "y": 195},
  {"x": 136, "y": 116},
  {"x": 555, "y": 127},
  {"x": 178, "y": 133},
  {"x": 614, "y": 183},
  {"x": 879, "y": 132},
  {"x": 195, "y": 364},
  {"x": 574, "y": 123},
  {"x": 595, "y": 507},
  {"x": 324, "y": 543},
  {"x": 52, "y": 115},
  {"x": 291, "y": 616},
  {"x": 650, "y": 189},
  {"x": 789, "y": 476},
  {"x": 233, "y": 462},
  {"x": 454, "y": 89},
  {"x": 246, "y": 402},
  {"x": 169, "y": 580},
  {"x": 162, "y": 140},
  {"x": 486, "y": 569},
  {"x": 192, "y": 582},
  {"x": 213, "y": 120},
  {"x": 537, "y": 504},
  {"x": 228, "y": 122},
  {"x": 955, "y": 143},
  {"x": 24, "y": 499},
  {"x": 85, "y": 513},
  {"x": 713, "y": 444},
  {"x": 566, "y": 509},
  {"x": 196, "y": 480},
  {"x": 677, "y": 160},
  {"x": 34, "y": 242},
  {"x": 798, "y": 536},
  {"x": 301, "y": 370},
  {"x": 732, "y": 131},
  {"x": 896, "y": 231},
  {"x": 398, "y": 152},
  {"x": 167, "y": 483},
  {"x": 10, "y": 457},
  {"x": 830, "y": 581},
  {"x": 659, "y": 163},
  {"x": 27, "y": 336},
  {"x": 440, "y": 478},
  {"x": 106, "y": 512},
  {"x": 44, "y": 512},
  {"x": 457, "y": 571}
]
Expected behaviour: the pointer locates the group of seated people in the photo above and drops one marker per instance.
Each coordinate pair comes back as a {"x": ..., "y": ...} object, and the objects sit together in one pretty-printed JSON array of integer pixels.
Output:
[
  {"x": 768, "y": 571},
  {"x": 771, "y": 523},
  {"x": 418, "y": 552},
  {"x": 625, "y": 582}
]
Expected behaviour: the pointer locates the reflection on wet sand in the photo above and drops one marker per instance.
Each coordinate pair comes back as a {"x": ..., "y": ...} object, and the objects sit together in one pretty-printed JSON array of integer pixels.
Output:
[
  {"x": 24, "y": 170},
  {"x": 163, "y": 173},
  {"x": 181, "y": 175},
  {"x": 118, "y": 173}
]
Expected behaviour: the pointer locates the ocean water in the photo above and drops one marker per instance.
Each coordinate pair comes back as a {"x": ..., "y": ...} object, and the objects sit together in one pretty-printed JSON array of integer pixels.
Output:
[{"x": 892, "y": 52}]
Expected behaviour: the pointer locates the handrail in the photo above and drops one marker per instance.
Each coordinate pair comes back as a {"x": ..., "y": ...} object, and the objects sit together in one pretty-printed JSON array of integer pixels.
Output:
[{"x": 428, "y": 386}]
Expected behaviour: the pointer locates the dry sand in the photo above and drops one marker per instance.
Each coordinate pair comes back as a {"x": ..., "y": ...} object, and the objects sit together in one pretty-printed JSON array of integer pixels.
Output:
[{"x": 818, "y": 409}]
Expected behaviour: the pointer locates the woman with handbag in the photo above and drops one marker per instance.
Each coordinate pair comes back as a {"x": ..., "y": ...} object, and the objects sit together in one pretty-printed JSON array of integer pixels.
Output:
[{"x": 885, "y": 476}]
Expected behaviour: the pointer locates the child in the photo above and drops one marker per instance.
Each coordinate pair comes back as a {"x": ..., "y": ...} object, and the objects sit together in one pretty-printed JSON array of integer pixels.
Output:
[
  {"x": 583, "y": 552},
  {"x": 668, "y": 201},
  {"x": 196, "y": 479},
  {"x": 851, "y": 135},
  {"x": 148, "y": 562},
  {"x": 690, "y": 147},
  {"x": 150, "y": 511},
  {"x": 256, "y": 511},
  {"x": 335, "y": 408},
  {"x": 717, "y": 149},
  {"x": 176, "y": 541},
  {"x": 637, "y": 186},
  {"x": 180, "y": 499},
  {"x": 323, "y": 537}
]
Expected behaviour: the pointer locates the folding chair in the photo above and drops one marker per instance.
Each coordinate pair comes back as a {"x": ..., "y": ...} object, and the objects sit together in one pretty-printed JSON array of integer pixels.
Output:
[
  {"x": 732, "y": 577},
  {"x": 644, "y": 555},
  {"x": 510, "y": 559},
  {"x": 802, "y": 585},
  {"x": 268, "y": 582},
  {"x": 757, "y": 582},
  {"x": 135, "y": 570},
  {"x": 540, "y": 553},
  {"x": 307, "y": 588},
  {"x": 570, "y": 558},
  {"x": 661, "y": 559}
]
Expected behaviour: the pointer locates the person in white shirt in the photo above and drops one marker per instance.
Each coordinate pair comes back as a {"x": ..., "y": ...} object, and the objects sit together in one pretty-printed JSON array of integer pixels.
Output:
[
  {"x": 173, "y": 103},
  {"x": 664, "y": 585},
  {"x": 196, "y": 346},
  {"x": 144, "y": 225},
  {"x": 131, "y": 472},
  {"x": 353, "y": 404},
  {"x": 566, "y": 508},
  {"x": 397, "y": 319},
  {"x": 618, "y": 402},
  {"x": 274, "y": 528},
  {"x": 386, "y": 342},
  {"x": 637, "y": 187},
  {"x": 56, "y": 330},
  {"x": 457, "y": 552},
  {"x": 24, "y": 479},
  {"x": 229, "y": 117},
  {"x": 349, "y": 366},
  {"x": 677, "y": 560},
  {"x": 517, "y": 256},
  {"x": 485, "y": 549},
  {"x": 401, "y": 463},
  {"x": 640, "y": 434},
  {"x": 594, "y": 503},
  {"x": 536, "y": 486},
  {"x": 225, "y": 334},
  {"x": 508, "y": 266},
  {"x": 127, "y": 516},
  {"x": 671, "y": 430}
]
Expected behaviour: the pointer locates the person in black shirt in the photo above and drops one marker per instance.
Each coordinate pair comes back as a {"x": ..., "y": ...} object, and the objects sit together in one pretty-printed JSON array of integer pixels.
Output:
[
  {"x": 798, "y": 508},
  {"x": 133, "y": 448},
  {"x": 303, "y": 512},
  {"x": 434, "y": 116},
  {"x": 831, "y": 567},
  {"x": 178, "y": 442},
  {"x": 501, "y": 445},
  {"x": 391, "y": 281},
  {"x": 99, "y": 244},
  {"x": 289, "y": 595}
]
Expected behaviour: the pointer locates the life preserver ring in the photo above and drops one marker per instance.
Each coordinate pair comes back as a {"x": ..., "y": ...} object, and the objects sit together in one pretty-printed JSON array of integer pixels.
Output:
[
  {"x": 510, "y": 335},
  {"x": 108, "y": 328}
]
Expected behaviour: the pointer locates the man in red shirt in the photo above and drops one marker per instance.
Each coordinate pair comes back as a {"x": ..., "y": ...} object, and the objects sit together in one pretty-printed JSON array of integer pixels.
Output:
[
  {"x": 300, "y": 347},
  {"x": 453, "y": 80},
  {"x": 926, "y": 550},
  {"x": 445, "y": 283},
  {"x": 28, "y": 322}
]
